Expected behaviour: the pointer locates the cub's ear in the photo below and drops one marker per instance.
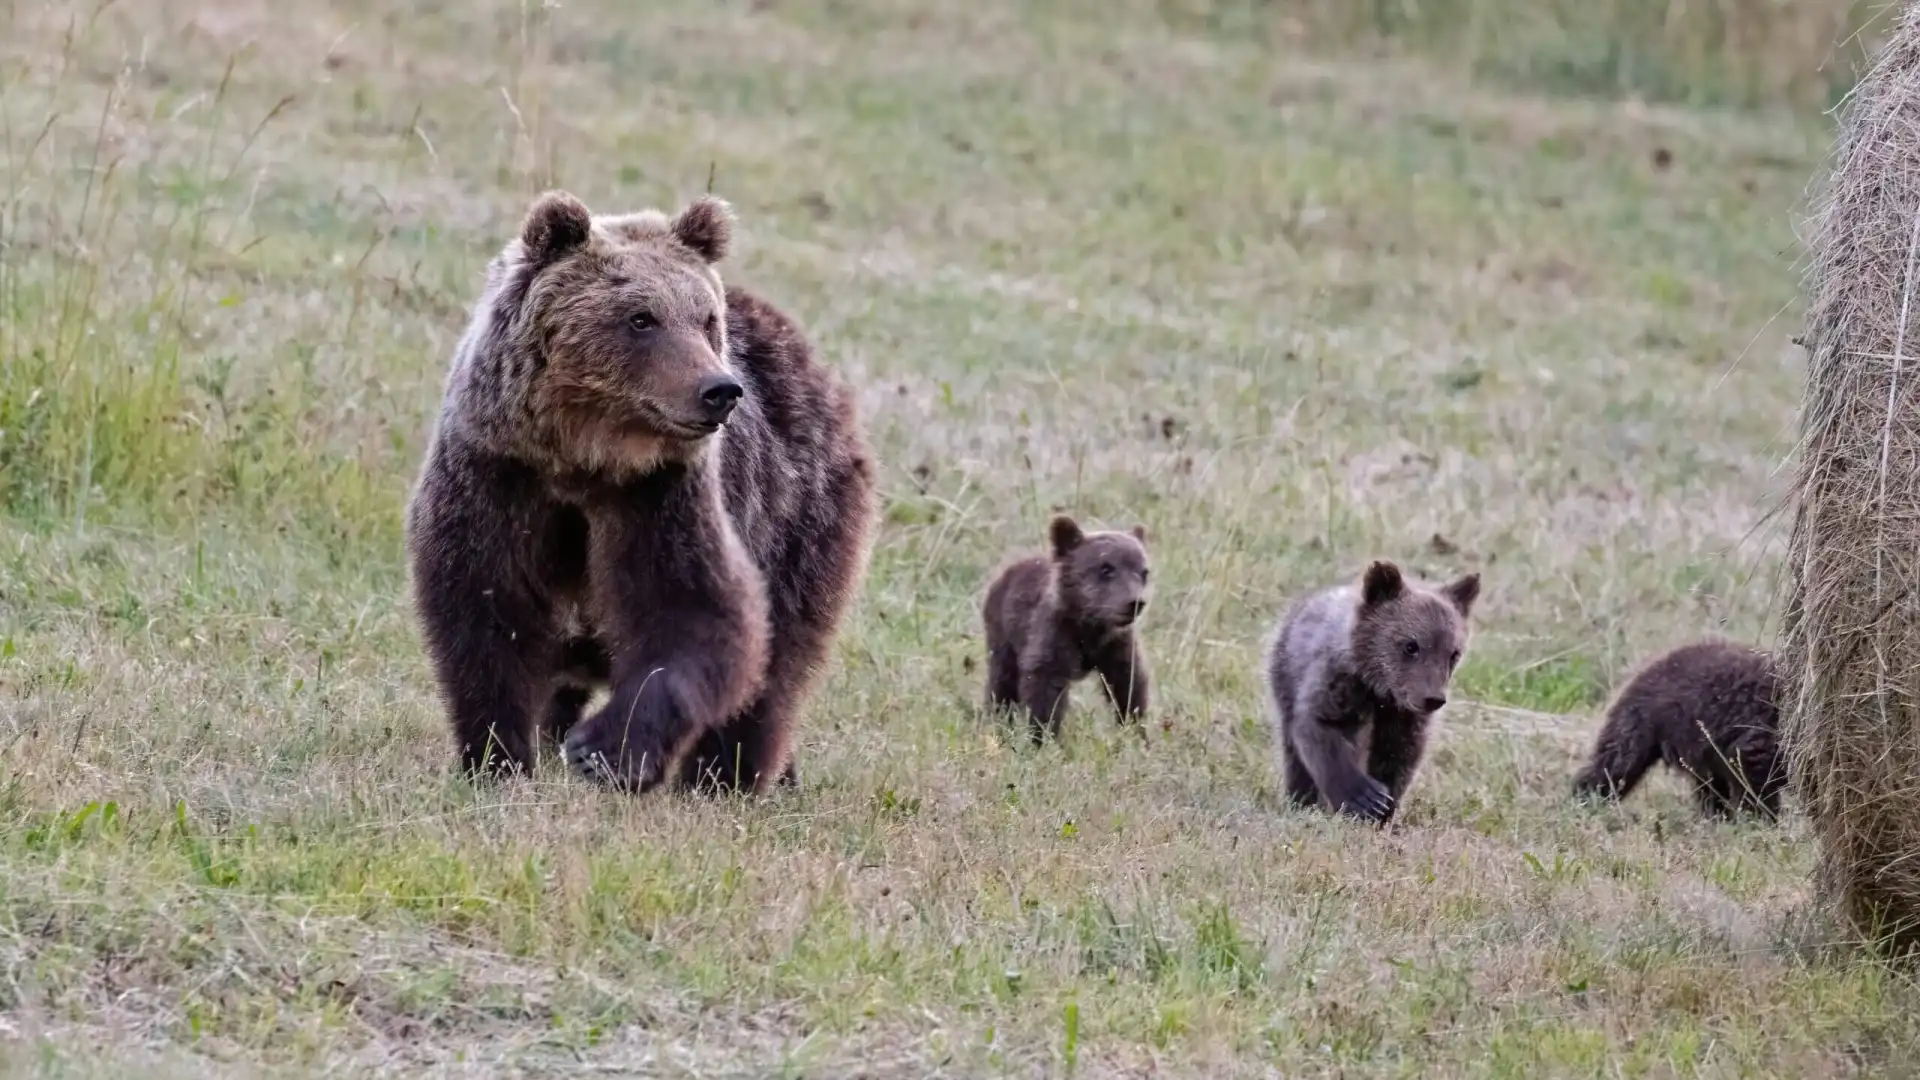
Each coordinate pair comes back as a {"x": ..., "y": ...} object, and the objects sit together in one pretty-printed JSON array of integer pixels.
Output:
[
  {"x": 1140, "y": 534},
  {"x": 1463, "y": 593},
  {"x": 556, "y": 224},
  {"x": 1065, "y": 534},
  {"x": 1381, "y": 583},
  {"x": 706, "y": 227}
]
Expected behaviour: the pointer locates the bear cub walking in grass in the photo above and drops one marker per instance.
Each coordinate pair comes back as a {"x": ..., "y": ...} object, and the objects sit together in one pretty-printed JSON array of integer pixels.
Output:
[
  {"x": 1711, "y": 710},
  {"x": 1356, "y": 673},
  {"x": 640, "y": 479},
  {"x": 1052, "y": 620}
]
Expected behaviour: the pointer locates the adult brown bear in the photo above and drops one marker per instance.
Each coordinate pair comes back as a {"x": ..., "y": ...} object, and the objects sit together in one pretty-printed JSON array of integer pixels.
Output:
[{"x": 640, "y": 478}]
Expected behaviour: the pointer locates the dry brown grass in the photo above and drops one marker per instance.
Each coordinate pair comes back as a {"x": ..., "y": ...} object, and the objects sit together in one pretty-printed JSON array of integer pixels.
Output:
[{"x": 1852, "y": 643}]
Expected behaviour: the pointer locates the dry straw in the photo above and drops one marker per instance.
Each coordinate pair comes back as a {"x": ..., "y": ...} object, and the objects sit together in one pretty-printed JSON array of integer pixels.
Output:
[{"x": 1850, "y": 656}]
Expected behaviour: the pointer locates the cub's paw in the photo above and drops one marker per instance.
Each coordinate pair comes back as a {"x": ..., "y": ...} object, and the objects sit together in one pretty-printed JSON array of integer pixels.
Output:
[{"x": 1369, "y": 801}]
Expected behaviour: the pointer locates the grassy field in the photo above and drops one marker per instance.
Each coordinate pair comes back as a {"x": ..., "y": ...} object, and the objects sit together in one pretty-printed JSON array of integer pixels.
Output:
[{"x": 1291, "y": 311}]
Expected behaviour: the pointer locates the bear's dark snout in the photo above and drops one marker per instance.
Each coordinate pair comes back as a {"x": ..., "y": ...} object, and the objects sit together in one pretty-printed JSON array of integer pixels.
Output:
[
  {"x": 1433, "y": 704},
  {"x": 718, "y": 395}
]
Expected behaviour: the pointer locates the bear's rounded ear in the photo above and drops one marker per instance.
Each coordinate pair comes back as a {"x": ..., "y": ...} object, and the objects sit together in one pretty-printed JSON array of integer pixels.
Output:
[
  {"x": 1065, "y": 534},
  {"x": 706, "y": 227},
  {"x": 1381, "y": 583},
  {"x": 1140, "y": 534},
  {"x": 556, "y": 224},
  {"x": 1462, "y": 593}
]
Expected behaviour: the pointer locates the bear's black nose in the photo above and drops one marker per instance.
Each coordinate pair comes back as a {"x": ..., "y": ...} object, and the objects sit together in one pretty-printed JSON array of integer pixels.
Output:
[
  {"x": 718, "y": 395},
  {"x": 1137, "y": 607},
  {"x": 1433, "y": 704}
]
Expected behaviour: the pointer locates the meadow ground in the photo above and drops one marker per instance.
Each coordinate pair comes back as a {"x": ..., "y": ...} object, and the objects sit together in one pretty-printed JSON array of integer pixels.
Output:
[{"x": 1290, "y": 307}]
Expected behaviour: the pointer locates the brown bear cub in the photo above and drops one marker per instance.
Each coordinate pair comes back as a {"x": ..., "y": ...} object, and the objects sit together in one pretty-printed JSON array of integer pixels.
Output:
[
  {"x": 1053, "y": 620},
  {"x": 640, "y": 479},
  {"x": 1709, "y": 709},
  {"x": 1356, "y": 673}
]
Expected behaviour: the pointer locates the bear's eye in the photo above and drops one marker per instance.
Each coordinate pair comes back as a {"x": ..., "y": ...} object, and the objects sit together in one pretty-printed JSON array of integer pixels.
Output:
[
  {"x": 1454, "y": 660},
  {"x": 1106, "y": 571},
  {"x": 1411, "y": 648},
  {"x": 1143, "y": 573},
  {"x": 642, "y": 320}
]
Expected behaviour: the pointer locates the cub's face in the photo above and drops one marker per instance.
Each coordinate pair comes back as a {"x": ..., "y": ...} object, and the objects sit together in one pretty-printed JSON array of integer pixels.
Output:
[
  {"x": 628, "y": 321},
  {"x": 1407, "y": 640},
  {"x": 1103, "y": 575}
]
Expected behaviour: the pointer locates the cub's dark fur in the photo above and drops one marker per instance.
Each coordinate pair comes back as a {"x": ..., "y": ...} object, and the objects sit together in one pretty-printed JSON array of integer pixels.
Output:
[
  {"x": 1052, "y": 620},
  {"x": 1356, "y": 673},
  {"x": 1711, "y": 710},
  {"x": 639, "y": 478}
]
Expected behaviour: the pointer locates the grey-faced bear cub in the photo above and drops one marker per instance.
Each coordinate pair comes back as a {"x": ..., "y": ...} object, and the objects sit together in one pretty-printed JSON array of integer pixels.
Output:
[
  {"x": 1356, "y": 673},
  {"x": 1053, "y": 620},
  {"x": 1709, "y": 709}
]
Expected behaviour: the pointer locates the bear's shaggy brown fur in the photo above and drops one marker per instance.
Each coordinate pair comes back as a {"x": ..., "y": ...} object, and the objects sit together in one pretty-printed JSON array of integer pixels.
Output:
[
  {"x": 1053, "y": 620},
  {"x": 1709, "y": 709},
  {"x": 642, "y": 478},
  {"x": 1356, "y": 673}
]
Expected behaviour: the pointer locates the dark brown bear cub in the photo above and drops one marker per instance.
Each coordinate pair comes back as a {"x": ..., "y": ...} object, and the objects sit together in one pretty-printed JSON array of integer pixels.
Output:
[
  {"x": 1053, "y": 620},
  {"x": 640, "y": 478},
  {"x": 1711, "y": 710},
  {"x": 1356, "y": 673}
]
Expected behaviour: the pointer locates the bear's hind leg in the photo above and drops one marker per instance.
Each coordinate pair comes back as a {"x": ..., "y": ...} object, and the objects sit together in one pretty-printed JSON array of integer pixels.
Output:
[
  {"x": 1768, "y": 775},
  {"x": 1761, "y": 774},
  {"x": 715, "y": 766},
  {"x": 586, "y": 665},
  {"x": 1044, "y": 694},
  {"x": 753, "y": 752},
  {"x": 564, "y": 711},
  {"x": 1714, "y": 797},
  {"x": 1722, "y": 790}
]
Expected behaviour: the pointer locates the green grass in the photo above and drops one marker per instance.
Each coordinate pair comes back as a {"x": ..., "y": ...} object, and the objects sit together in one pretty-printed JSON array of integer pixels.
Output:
[
  {"x": 1291, "y": 306},
  {"x": 1727, "y": 52}
]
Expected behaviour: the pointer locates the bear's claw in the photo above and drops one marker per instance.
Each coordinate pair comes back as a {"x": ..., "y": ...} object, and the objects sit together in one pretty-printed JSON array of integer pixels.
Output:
[{"x": 595, "y": 765}]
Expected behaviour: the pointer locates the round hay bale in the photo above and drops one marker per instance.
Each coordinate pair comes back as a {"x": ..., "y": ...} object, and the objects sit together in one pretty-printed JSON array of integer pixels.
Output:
[{"x": 1850, "y": 649}]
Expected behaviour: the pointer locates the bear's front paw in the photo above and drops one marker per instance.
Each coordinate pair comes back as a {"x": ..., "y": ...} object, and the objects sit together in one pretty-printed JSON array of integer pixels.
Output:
[
  {"x": 606, "y": 754},
  {"x": 1369, "y": 801},
  {"x": 625, "y": 745}
]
